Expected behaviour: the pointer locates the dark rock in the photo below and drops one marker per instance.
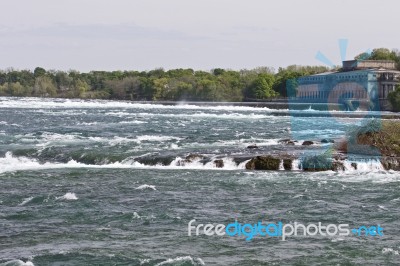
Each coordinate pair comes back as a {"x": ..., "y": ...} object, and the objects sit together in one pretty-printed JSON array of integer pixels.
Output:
[
  {"x": 327, "y": 141},
  {"x": 154, "y": 160},
  {"x": 390, "y": 163},
  {"x": 219, "y": 163},
  {"x": 287, "y": 141},
  {"x": 287, "y": 164},
  {"x": 263, "y": 163},
  {"x": 192, "y": 157},
  {"x": 337, "y": 166},
  {"x": 307, "y": 143},
  {"x": 254, "y": 146},
  {"x": 241, "y": 159},
  {"x": 354, "y": 165}
]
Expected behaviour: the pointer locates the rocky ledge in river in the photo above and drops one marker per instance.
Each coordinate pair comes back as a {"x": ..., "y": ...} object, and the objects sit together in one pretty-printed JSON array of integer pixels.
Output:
[
  {"x": 381, "y": 137},
  {"x": 269, "y": 163}
]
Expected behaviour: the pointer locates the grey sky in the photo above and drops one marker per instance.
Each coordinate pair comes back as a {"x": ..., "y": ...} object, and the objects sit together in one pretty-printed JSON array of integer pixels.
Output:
[{"x": 146, "y": 34}]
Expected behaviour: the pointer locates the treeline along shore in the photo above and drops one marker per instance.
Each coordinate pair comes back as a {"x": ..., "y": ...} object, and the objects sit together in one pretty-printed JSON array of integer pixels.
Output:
[
  {"x": 217, "y": 85},
  {"x": 156, "y": 85}
]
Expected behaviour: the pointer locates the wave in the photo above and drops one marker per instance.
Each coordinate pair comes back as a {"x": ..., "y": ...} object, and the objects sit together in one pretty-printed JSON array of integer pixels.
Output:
[
  {"x": 318, "y": 131},
  {"x": 195, "y": 115},
  {"x": 68, "y": 196},
  {"x": 370, "y": 165},
  {"x": 132, "y": 122},
  {"x": 47, "y": 138},
  {"x": 25, "y": 201},
  {"x": 144, "y": 187},
  {"x": 17, "y": 263},
  {"x": 10, "y": 163},
  {"x": 180, "y": 260},
  {"x": 48, "y": 103}
]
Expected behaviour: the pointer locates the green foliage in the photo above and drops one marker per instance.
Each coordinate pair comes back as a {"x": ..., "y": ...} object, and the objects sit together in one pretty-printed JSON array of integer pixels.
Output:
[
  {"x": 44, "y": 87},
  {"x": 381, "y": 54},
  {"x": 394, "y": 98},
  {"x": 38, "y": 72},
  {"x": 173, "y": 85},
  {"x": 386, "y": 137},
  {"x": 262, "y": 87}
]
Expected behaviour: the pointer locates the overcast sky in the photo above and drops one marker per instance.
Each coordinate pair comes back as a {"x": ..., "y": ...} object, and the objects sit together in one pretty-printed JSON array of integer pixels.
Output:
[{"x": 201, "y": 34}]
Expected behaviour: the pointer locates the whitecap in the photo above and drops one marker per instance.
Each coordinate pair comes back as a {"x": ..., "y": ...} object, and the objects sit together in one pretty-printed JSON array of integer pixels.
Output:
[
  {"x": 132, "y": 122},
  {"x": 195, "y": 261},
  {"x": 68, "y": 196},
  {"x": 25, "y": 201},
  {"x": 17, "y": 263},
  {"x": 136, "y": 216},
  {"x": 143, "y": 187}
]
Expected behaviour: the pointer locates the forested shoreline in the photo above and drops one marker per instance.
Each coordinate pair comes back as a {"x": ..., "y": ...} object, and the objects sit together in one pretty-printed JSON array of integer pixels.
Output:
[
  {"x": 155, "y": 85},
  {"x": 168, "y": 85}
]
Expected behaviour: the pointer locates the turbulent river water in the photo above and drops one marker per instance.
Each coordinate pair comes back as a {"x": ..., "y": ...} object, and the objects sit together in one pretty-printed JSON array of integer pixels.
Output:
[{"x": 116, "y": 183}]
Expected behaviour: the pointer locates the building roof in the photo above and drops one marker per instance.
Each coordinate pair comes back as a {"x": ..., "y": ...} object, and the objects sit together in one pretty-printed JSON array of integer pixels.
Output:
[
  {"x": 376, "y": 70},
  {"x": 368, "y": 64}
]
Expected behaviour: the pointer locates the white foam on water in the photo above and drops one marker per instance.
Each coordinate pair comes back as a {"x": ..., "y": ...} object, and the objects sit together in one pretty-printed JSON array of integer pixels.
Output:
[
  {"x": 281, "y": 167},
  {"x": 48, "y": 138},
  {"x": 132, "y": 122},
  {"x": 298, "y": 196},
  {"x": 17, "y": 263},
  {"x": 382, "y": 207},
  {"x": 318, "y": 132},
  {"x": 242, "y": 143},
  {"x": 296, "y": 166},
  {"x": 189, "y": 259},
  {"x": 9, "y": 163},
  {"x": 87, "y": 123},
  {"x": 144, "y": 261},
  {"x": 46, "y": 103},
  {"x": 145, "y": 186},
  {"x": 68, "y": 196},
  {"x": 372, "y": 165},
  {"x": 25, "y": 201},
  {"x": 202, "y": 115},
  {"x": 136, "y": 216},
  {"x": 156, "y": 138},
  {"x": 174, "y": 146}
]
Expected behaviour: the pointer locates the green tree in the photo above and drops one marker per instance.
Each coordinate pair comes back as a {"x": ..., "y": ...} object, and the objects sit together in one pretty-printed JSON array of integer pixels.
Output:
[
  {"x": 381, "y": 54},
  {"x": 262, "y": 87},
  {"x": 64, "y": 81},
  {"x": 3, "y": 89},
  {"x": 38, "y": 72},
  {"x": 161, "y": 88},
  {"x": 44, "y": 87},
  {"x": 16, "y": 89},
  {"x": 80, "y": 88}
]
